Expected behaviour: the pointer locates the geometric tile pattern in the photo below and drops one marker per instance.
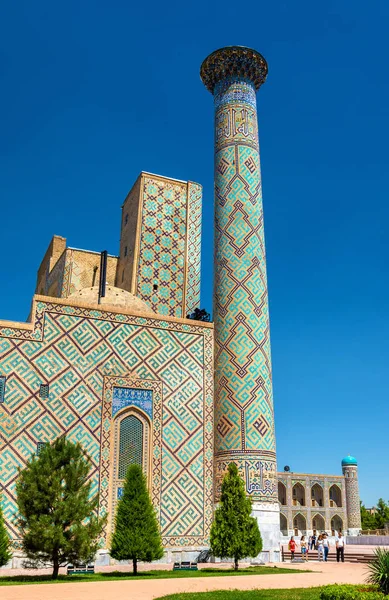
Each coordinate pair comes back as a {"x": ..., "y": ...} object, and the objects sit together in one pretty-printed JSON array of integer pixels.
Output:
[
  {"x": 82, "y": 354},
  {"x": 192, "y": 295},
  {"x": 161, "y": 271},
  {"x": 244, "y": 418}
]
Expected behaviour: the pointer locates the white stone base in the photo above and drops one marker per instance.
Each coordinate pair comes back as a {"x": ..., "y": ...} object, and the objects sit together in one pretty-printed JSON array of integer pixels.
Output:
[
  {"x": 353, "y": 531},
  {"x": 268, "y": 517}
]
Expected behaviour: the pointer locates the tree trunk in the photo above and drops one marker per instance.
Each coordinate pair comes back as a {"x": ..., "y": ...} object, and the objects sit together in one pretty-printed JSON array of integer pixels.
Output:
[
  {"x": 236, "y": 564},
  {"x": 55, "y": 569},
  {"x": 134, "y": 566}
]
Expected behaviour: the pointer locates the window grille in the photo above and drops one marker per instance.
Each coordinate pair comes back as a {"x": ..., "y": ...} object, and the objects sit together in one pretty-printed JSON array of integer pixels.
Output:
[
  {"x": 39, "y": 447},
  {"x": 2, "y": 388},
  {"x": 130, "y": 445},
  {"x": 44, "y": 390}
]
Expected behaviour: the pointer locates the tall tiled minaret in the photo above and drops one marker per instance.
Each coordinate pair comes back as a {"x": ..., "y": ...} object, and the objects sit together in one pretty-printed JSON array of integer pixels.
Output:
[
  {"x": 350, "y": 472},
  {"x": 244, "y": 417}
]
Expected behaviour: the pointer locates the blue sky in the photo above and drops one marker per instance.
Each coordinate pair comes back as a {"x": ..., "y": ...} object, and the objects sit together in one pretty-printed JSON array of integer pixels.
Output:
[{"x": 95, "y": 92}]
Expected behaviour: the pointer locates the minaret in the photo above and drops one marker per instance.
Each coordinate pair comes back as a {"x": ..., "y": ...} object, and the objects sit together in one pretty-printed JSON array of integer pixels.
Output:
[
  {"x": 350, "y": 472},
  {"x": 244, "y": 420}
]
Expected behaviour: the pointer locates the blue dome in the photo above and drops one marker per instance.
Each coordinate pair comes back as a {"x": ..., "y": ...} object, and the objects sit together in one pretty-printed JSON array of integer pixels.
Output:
[{"x": 349, "y": 460}]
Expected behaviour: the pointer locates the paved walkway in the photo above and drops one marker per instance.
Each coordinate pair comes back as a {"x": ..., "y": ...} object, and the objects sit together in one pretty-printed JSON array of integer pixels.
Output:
[{"x": 147, "y": 590}]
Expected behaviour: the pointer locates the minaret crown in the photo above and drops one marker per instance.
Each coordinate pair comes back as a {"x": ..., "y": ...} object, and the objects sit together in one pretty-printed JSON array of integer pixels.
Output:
[{"x": 233, "y": 62}]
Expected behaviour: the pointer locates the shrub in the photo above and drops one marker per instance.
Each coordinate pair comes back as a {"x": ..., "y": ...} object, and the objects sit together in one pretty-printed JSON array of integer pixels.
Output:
[
  {"x": 379, "y": 570},
  {"x": 349, "y": 592}
]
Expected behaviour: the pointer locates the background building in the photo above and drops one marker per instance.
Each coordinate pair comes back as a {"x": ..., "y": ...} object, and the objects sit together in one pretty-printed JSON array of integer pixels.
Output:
[{"x": 315, "y": 503}]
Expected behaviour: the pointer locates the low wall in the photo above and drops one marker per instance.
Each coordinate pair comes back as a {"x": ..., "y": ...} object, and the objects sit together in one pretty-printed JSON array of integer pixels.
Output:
[{"x": 368, "y": 540}]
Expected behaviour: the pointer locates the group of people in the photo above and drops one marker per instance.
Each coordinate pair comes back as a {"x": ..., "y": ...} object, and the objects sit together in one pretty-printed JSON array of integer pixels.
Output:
[{"x": 321, "y": 544}]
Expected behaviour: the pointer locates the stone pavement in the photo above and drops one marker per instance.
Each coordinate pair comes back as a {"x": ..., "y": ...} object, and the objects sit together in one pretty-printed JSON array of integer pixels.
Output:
[{"x": 323, "y": 573}]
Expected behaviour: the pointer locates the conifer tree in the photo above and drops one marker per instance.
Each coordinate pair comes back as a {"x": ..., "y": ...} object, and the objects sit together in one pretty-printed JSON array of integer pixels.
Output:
[
  {"x": 57, "y": 516},
  {"x": 5, "y": 554},
  {"x": 136, "y": 535},
  {"x": 234, "y": 532}
]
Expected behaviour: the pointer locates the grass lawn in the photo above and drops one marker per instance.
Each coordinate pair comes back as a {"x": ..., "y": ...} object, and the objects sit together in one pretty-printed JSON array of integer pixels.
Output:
[
  {"x": 294, "y": 594},
  {"x": 116, "y": 575}
]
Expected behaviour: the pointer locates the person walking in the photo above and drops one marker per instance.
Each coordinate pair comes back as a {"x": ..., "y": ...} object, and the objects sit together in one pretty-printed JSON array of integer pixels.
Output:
[
  {"x": 304, "y": 548},
  {"x": 340, "y": 544},
  {"x": 292, "y": 548},
  {"x": 326, "y": 545},
  {"x": 313, "y": 541},
  {"x": 320, "y": 548}
]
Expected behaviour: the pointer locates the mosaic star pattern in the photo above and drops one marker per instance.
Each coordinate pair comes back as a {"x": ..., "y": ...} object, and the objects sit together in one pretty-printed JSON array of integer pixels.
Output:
[
  {"x": 244, "y": 420},
  {"x": 83, "y": 354}
]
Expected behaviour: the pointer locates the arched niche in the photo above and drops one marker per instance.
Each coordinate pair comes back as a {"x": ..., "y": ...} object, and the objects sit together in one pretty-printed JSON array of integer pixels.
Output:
[
  {"x": 336, "y": 525},
  {"x": 335, "y": 496},
  {"x": 281, "y": 493},
  {"x": 283, "y": 524},
  {"x": 298, "y": 495},
  {"x": 318, "y": 523},
  {"x": 299, "y": 525},
  {"x": 317, "y": 495}
]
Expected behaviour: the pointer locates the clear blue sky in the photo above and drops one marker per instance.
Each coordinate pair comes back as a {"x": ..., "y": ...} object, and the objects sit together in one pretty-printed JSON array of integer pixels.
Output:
[{"x": 95, "y": 92}]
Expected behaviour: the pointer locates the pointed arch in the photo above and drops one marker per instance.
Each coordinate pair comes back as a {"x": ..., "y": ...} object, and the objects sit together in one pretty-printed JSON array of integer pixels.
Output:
[
  {"x": 317, "y": 495},
  {"x": 299, "y": 524},
  {"x": 335, "y": 496},
  {"x": 281, "y": 493},
  {"x": 131, "y": 435},
  {"x": 336, "y": 524},
  {"x": 283, "y": 524},
  {"x": 298, "y": 494},
  {"x": 318, "y": 522}
]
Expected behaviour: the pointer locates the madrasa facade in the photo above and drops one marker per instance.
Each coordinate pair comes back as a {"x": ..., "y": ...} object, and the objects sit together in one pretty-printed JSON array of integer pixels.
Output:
[{"x": 110, "y": 359}]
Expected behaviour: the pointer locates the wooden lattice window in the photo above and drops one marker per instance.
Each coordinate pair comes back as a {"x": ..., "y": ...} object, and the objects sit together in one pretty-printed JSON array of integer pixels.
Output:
[{"x": 130, "y": 444}]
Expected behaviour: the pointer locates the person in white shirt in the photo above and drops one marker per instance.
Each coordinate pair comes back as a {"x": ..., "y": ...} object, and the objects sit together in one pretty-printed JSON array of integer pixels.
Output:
[
  {"x": 340, "y": 544},
  {"x": 326, "y": 545}
]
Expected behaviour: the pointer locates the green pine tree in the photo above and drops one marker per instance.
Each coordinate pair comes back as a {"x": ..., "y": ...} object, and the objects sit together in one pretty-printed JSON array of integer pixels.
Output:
[
  {"x": 136, "y": 535},
  {"x": 57, "y": 516},
  {"x": 367, "y": 519},
  {"x": 5, "y": 554},
  {"x": 381, "y": 517},
  {"x": 234, "y": 532}
]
